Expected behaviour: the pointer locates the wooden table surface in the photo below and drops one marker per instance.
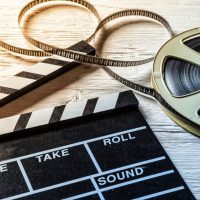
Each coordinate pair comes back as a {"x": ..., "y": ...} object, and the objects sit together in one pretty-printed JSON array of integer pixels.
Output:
[{"x": 130, "y": 38}]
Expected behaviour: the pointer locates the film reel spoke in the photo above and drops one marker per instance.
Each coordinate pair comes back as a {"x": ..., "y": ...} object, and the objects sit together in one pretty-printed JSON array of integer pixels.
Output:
[{"x": 183, "y": 52}]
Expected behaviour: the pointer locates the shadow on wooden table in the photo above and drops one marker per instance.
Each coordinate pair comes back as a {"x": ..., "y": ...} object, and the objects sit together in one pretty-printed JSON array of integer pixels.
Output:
[{"x": 43, "y": 92}]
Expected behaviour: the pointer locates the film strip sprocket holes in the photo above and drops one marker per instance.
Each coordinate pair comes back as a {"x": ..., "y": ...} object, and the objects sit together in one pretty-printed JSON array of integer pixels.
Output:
[
  {"x": 39, "y": 74},
  {"x": 75, "y": 54},
  {"x": 88, "y": 59},
  {"x": 66, "y": 112}
]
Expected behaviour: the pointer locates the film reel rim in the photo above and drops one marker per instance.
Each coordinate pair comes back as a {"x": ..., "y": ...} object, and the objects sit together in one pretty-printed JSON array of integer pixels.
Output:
[
  {"x": 185, "y": 124},
  {"x": 180, "y": 120},
  {"x": 177, "y": 103}
]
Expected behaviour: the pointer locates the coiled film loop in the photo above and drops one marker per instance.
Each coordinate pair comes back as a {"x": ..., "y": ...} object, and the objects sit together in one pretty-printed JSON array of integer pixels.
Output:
[
  {"x": 80, "y": 57},
  {"x": 29, "y": 6},
  {"x": 135, "y": 12}
]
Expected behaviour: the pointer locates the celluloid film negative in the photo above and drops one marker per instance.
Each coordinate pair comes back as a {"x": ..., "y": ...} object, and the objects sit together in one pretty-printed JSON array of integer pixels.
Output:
[
  {"x": 99, "y": 149},
  {"x": 47, "y": 49},
  {"x": 80, "y": 57}
]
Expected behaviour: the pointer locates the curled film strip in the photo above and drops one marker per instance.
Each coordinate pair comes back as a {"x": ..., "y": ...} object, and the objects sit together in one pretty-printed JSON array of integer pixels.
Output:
[
  {"x": 42, "y": 72},
  {"x": 26, "y": 8},
  {"x": 88, "y": 59},
  {"x": 180, "y": 74}
]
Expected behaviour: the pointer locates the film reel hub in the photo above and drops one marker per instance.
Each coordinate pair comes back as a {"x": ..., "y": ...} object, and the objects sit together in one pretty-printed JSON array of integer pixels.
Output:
[{"x": 198, "y": 112}]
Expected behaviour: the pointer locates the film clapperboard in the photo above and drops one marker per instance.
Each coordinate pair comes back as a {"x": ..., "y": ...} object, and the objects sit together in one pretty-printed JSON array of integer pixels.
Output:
[{"x": 100, "y": 148}]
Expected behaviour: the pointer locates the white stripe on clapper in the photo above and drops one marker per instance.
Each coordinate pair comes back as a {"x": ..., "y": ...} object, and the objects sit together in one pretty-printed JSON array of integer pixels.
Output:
[
  {"x": 160, "y": 193},
  {"x": 25, "y": 176},
  {"x": 98, "y": 169},
  {"x": 97, "y": 189},
  {"x": 93, "y": 158},
  {"x": 40, "y": 117},
  {"x": 73, "y": 110},
  {"x": 106, "y": 102},
  {"x": 42, "y": 68},
  {"x": 8, "y": 124}
]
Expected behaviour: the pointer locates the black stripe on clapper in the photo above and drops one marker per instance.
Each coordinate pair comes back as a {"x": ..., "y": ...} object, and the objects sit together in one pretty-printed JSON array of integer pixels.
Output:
[
  {"x": 57, "y": 114},
  {"x": 55, "y": 62},
  {"x": 29, "y": 75},
  {"x": 90, "y": 106},
  {"x": 13, "y": 94},
  {"x": 22, "y": 122},
  {"x": 126, "y": 98},
  {"x": 6, "y": 90}
]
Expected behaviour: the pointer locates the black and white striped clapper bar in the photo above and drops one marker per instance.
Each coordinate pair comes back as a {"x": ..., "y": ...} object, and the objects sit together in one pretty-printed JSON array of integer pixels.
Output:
[
  {"x": 65, "y": 112},
  {"x": 100, "y": 148},
  {"x": 38, "y": 74}
]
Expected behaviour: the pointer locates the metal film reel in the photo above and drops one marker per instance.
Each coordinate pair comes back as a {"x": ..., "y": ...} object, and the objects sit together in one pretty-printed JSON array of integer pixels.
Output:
[{"x": 176, "y": 77}]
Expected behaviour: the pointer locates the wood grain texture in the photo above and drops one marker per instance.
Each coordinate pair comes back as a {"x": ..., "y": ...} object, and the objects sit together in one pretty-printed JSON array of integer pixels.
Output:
[{"x": 133, "y": 38}]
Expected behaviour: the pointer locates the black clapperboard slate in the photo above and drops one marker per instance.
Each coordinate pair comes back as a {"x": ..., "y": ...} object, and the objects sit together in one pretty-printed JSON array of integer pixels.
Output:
[{"x": 100, "y": 148}]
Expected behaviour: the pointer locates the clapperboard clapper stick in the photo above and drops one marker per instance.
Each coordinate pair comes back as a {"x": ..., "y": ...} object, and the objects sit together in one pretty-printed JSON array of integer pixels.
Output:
[
  {"x": 100, "y": 148},
  {"x": 40, "y": 73}
]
